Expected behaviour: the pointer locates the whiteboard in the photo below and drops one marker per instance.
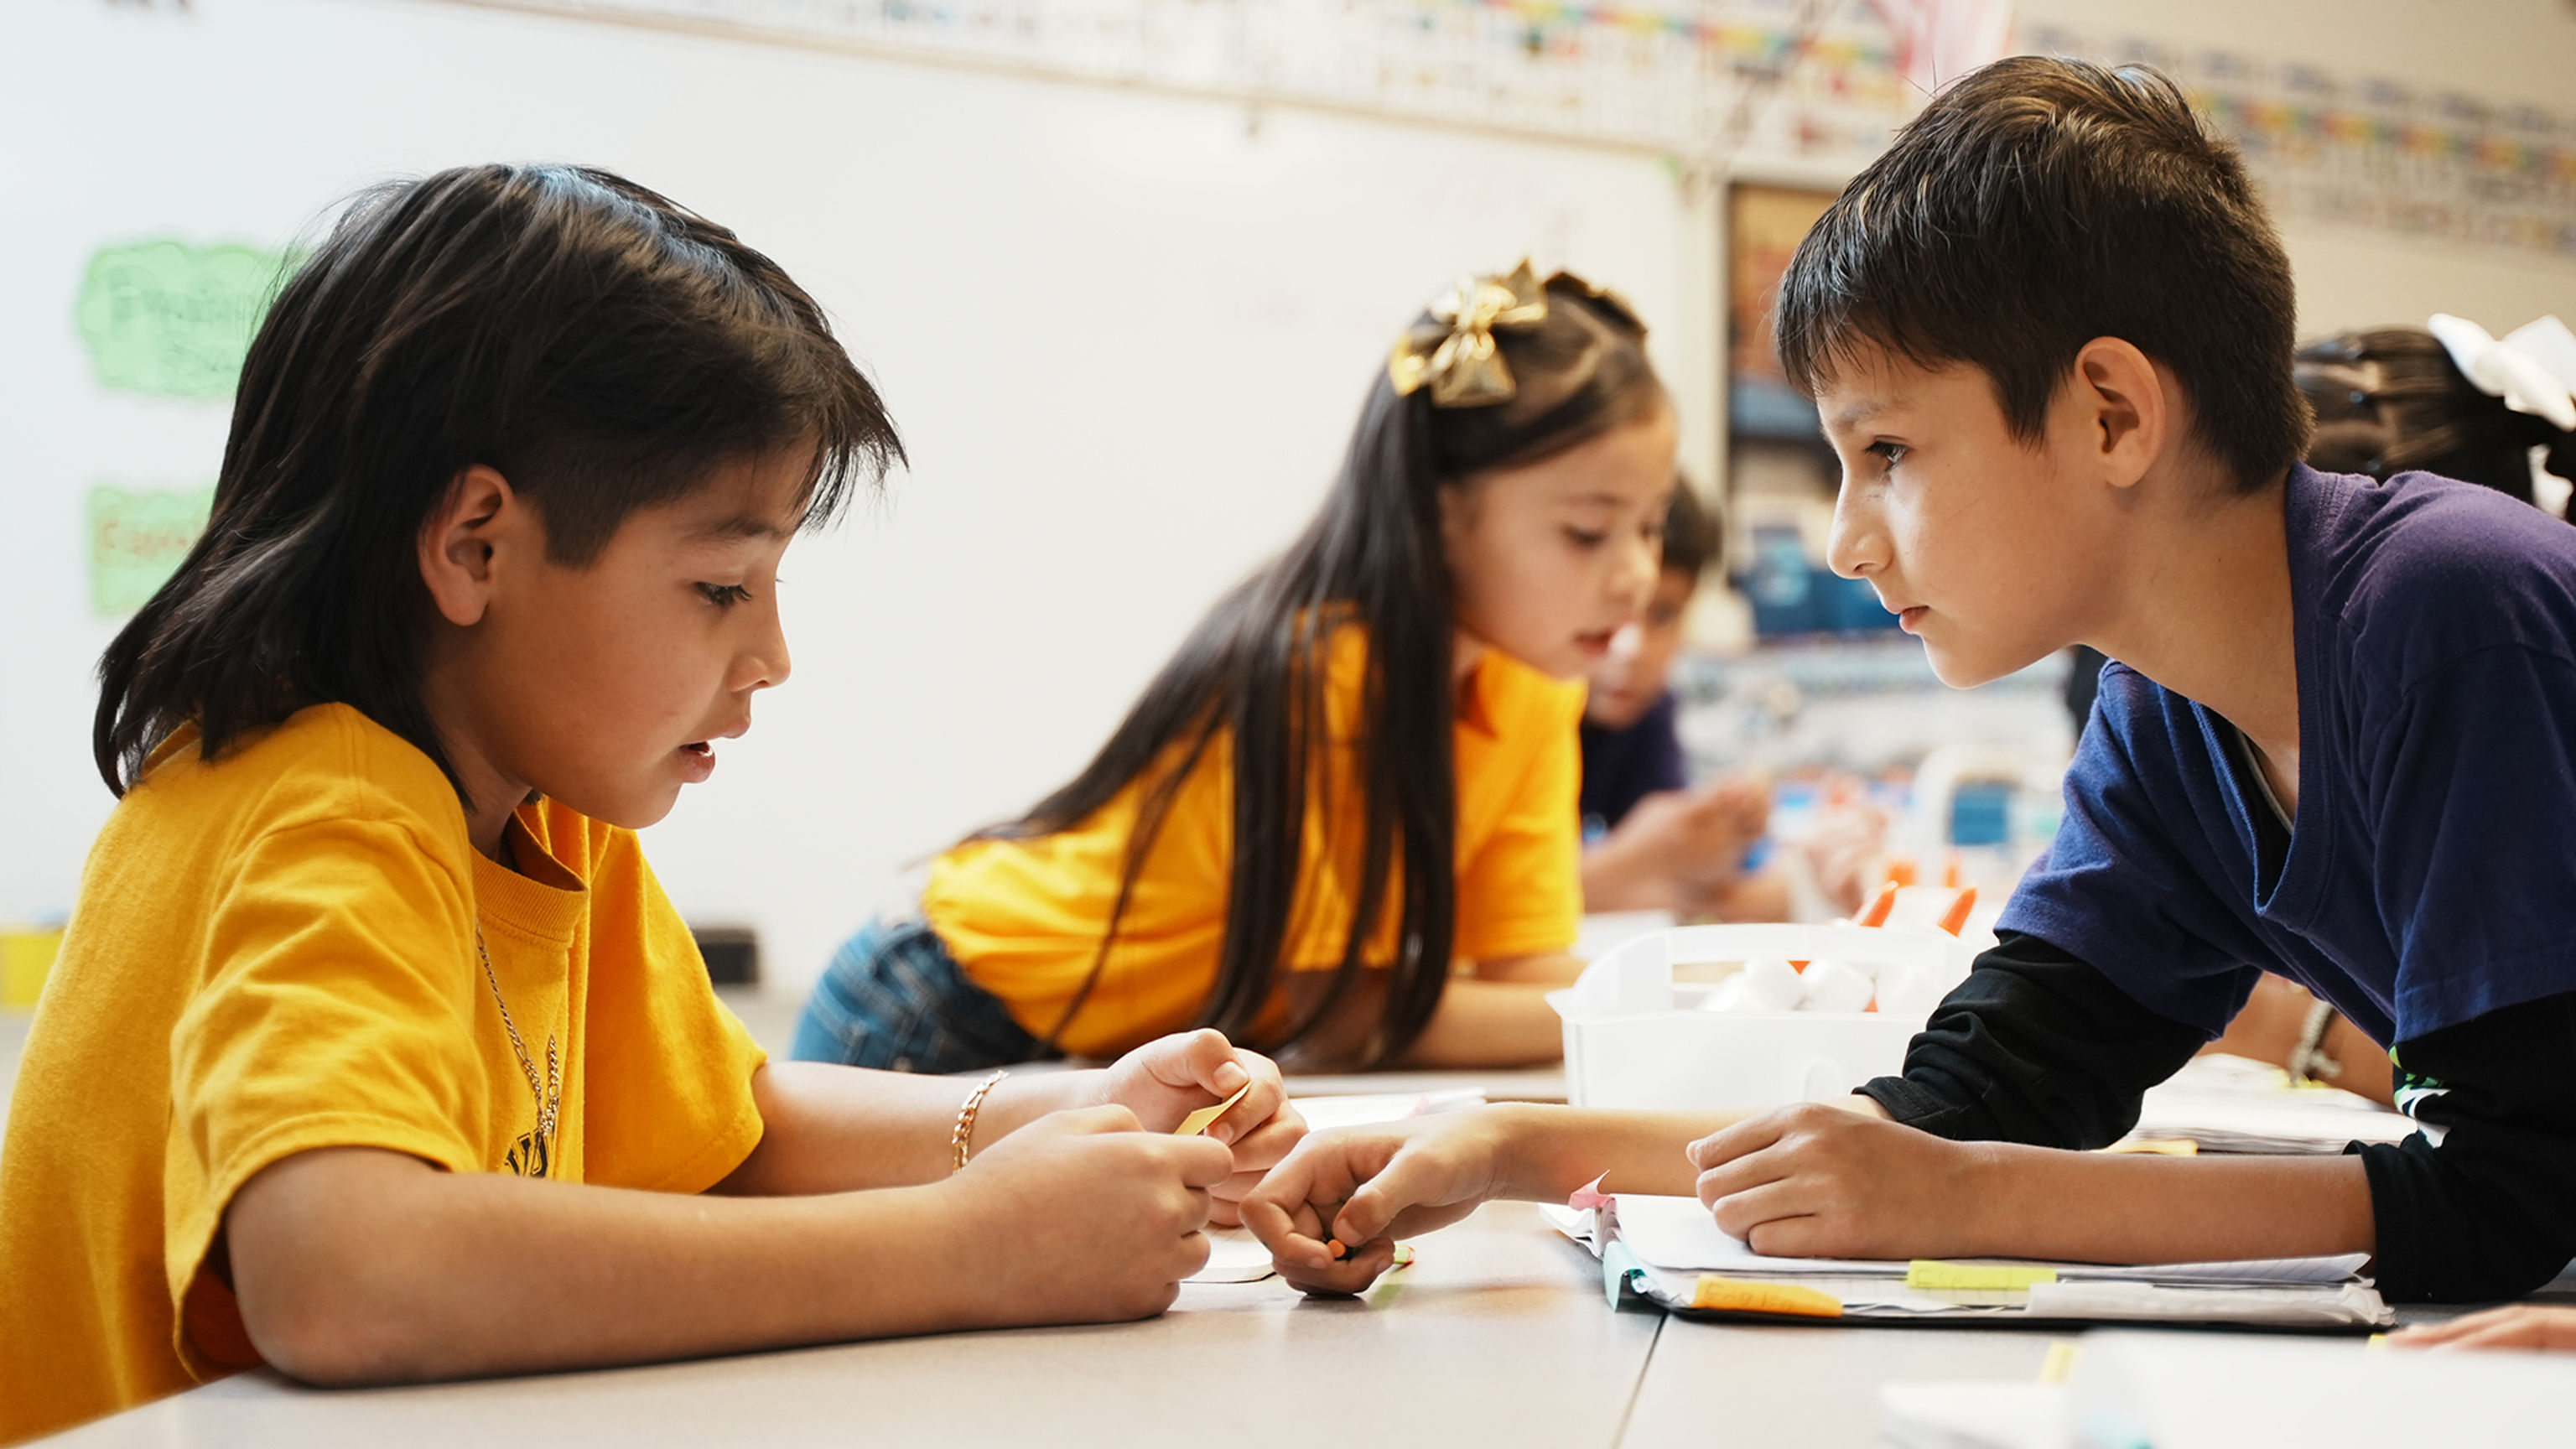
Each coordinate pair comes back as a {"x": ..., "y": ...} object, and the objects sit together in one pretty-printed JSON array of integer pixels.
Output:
[{"x": 1124, "y": 337}]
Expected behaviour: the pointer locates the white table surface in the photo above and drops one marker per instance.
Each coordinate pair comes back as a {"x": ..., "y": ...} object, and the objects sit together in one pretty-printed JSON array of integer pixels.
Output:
[{"x": 1498, "y": 1335}]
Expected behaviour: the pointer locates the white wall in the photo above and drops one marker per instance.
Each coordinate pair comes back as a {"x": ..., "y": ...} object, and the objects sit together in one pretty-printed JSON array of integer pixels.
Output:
[{"x": 1124, "y": 337}]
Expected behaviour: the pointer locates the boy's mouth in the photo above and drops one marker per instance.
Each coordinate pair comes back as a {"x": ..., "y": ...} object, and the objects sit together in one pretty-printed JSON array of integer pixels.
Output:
[
  {"x": 698, "y": 760},
  {"x": 1597, "y": 644}
]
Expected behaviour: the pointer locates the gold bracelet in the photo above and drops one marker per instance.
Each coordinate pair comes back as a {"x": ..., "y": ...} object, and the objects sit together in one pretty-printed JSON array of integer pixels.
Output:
[{"x": 965, "y": 1133}]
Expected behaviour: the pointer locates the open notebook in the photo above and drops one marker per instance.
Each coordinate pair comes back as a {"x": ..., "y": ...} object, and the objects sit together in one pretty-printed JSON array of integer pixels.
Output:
[{"x": 1670, "y": 1250}]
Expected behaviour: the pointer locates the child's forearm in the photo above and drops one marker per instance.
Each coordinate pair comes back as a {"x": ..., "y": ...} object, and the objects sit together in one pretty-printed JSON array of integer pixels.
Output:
[
  {"x": 359, "y": 1265},
  {"x": 2121, "y": 1208},
  {"x": 1554, "y": 1150},
  {"x": 1483, "y": 1023},
  {"x": 839, "y": 1129},
  {"x": 356, "y": 1265}
]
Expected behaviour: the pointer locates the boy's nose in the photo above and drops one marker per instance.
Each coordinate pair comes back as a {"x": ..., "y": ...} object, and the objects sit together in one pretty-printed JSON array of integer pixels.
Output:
[{"x": 1857, "y": 545}]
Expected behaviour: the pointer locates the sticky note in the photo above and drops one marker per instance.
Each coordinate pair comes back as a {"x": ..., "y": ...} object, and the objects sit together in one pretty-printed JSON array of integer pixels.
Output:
[
  {"x": 137, "y": 539},
  {"x": 1741, "y": 1295},
  {"x": 1197, "y": 1122},
  {"x": 172, "y": 318},
  {"x": 1973, "y": 1277},
  {"x": 1618, "y": 1266},
  {"x": 1589, "y": 1196}
]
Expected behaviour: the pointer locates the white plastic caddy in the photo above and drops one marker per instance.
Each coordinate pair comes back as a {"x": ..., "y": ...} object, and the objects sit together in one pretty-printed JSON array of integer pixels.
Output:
[{"x": 1636, "y": 1038}]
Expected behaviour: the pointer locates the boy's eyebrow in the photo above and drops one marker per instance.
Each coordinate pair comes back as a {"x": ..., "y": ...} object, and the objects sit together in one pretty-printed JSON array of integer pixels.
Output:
[
  {"x": 737, "y": 527},
  {"x": 1860, "y": 412}
]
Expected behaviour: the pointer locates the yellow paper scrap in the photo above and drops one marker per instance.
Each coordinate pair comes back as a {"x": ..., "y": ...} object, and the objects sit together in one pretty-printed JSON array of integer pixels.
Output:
[
  {"x": 1928, "y": 1274},
  {"x": 2157, "y": 1146},
  {"x": 2059, "y": 1366},
  {"x": 1740, "y": 1295},
  {"x": 1197, "y": 1122}
]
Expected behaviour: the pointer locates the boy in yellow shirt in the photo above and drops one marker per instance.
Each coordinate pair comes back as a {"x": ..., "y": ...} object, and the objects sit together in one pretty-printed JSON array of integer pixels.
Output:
[{"x": 368, "y": 946}]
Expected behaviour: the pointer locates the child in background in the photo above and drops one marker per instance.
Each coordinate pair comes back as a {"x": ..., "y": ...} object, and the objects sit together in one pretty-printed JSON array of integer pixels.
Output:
[
  {"x": 2050, "y": 334},
  {"x": 368, "y": 942},
  {"x": 1650, "y": 841},
  {"x": 1337, "y": 821}
]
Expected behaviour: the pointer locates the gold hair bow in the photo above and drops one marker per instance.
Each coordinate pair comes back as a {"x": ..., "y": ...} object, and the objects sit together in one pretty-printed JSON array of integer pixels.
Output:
[{"x": 1455, "y": 352}]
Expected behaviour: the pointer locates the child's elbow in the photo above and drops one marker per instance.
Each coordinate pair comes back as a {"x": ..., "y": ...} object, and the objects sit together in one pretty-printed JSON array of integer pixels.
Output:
[
  {"x": 326, "y": 1295},
  {"x": 331, "y": 1341}
]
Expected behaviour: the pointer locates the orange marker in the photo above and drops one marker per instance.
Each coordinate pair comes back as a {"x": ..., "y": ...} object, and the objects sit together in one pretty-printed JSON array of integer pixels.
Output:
[
  {"x": 1900, "y": 870},
  {"x": 1956, "y": 918},
  {"x": 1876, "y": 915}
]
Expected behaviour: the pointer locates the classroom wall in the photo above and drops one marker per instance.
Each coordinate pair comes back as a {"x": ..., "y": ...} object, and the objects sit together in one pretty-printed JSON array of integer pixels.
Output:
[
  {"x": 1124, "y": 338},
  {"x": 1123, "y": 335}
]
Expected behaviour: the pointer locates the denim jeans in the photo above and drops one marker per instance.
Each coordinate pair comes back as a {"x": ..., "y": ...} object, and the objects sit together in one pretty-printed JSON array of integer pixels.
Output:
[{"x": 894, "y": 998}]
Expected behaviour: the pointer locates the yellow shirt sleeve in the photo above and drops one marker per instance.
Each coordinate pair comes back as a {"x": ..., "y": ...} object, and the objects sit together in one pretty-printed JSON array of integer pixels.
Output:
[{"x": 334, "y": 1012}]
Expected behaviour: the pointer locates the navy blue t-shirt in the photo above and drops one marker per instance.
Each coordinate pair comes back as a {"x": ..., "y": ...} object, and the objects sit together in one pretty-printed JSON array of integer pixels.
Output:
[
  {"x": 1622, "y": 767},
  {"x": 2430, "y": 874}
]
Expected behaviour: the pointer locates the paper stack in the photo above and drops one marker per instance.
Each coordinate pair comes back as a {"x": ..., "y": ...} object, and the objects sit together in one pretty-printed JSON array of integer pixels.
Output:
[{"x": 1671, "y": 1250}]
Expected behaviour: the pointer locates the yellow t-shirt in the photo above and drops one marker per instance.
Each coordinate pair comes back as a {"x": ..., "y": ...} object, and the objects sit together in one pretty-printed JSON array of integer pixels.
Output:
[
  {"x": 275, "y": 953},
  {"x": 1024, "y": 917}
]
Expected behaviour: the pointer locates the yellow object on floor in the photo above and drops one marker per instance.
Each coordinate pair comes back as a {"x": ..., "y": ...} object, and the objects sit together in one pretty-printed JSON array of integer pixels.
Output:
[{"x": 25, "y": 959}]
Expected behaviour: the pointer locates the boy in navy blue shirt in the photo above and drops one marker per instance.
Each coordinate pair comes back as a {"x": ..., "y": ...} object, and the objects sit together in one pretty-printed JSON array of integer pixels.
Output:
[{"x": 2050, "y": 335}]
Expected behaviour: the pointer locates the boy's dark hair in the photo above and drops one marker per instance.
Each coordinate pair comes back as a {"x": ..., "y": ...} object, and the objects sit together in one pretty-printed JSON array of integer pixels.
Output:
[
  {"x": 602, "y": 347},
  {"x": 2389, "y": 399},
  {"x": 1256, "y": 669},
  {"x": 1693, "y": 538},
  {"x": 2034, "y": 206}
]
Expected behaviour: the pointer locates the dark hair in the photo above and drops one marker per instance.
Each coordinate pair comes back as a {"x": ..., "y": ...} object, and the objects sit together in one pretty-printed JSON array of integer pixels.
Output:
[
  {"x": 599, "y": 345},
  {"x": 2389, "y": 399},
  {"x": 1255, "y": 670},
  {"x": 2034, "y": 206},
  {"x": 1693, "y": 538}
]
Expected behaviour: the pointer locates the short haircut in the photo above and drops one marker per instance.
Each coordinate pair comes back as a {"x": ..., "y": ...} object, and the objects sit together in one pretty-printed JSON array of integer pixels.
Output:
[
  {"x": 1692, "y": 537},
  {"x": 2039, "y": 204},
  {"x": 600, "y": 345}
]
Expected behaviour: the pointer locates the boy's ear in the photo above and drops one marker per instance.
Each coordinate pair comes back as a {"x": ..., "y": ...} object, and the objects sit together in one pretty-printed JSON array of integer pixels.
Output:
[
  {"x": 459, "y": 539},
  {"x": 2128, "y": 414}
]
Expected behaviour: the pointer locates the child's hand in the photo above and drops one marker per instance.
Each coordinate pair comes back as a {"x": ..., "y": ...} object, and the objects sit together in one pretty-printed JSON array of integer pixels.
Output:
[
  {"x": 1368, "y": 1186},
  {"x": 1170, "y": 1077},
  {"x": 2518, "y": 1326},
  {"x": 1823, "y": 1181},
  {"x": 1081, "y": 1217}
]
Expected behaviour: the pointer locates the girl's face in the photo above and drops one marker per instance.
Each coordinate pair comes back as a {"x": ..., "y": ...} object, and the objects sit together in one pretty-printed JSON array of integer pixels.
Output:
[
  {"x": 606, "y": 685},
  {"x": 1550, "y": 560}
]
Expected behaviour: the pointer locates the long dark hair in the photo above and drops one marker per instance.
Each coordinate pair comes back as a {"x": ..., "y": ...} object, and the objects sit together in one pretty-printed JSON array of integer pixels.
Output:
[
  {"x": 601, "y": 346},
  {"x": 1255, "y": 669}
]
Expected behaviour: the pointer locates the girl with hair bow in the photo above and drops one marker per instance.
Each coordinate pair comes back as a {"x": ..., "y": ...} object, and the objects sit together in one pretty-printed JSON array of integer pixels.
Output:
[{"x": 1337, "y": 823}]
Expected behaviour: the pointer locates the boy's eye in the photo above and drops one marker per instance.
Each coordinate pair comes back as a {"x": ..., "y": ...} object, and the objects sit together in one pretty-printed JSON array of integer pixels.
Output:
[
  {"x": 1889, "y": 453},
  {"x": 724, "y": 596},
  {"x": 1587, "y": 538}
]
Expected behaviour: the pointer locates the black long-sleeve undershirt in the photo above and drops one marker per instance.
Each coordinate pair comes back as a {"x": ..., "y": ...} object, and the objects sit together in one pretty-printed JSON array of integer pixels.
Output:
[{"x": 2037, "y": 1046}]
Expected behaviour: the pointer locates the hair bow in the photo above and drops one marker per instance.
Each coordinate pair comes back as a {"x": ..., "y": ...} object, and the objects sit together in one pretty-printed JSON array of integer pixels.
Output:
[
  {"x": 2533, "y": 368},
  {"x": 1455, "y": 352}
]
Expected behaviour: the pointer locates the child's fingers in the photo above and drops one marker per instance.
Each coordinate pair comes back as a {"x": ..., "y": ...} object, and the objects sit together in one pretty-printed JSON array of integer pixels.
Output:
[
  {"x": 1738, "y": 1214},
  {"x": 1352, "y": 1273},
  {"x": 1741, "y": 1175},
  {"x": 1267, "y": 1145},
  {"x": 1202, "y": 1164},
  {"x": 1092, "y": 1120},
  {"x": 1410, "y": 1178},
  {"x": 1729, "y": 1143}
]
